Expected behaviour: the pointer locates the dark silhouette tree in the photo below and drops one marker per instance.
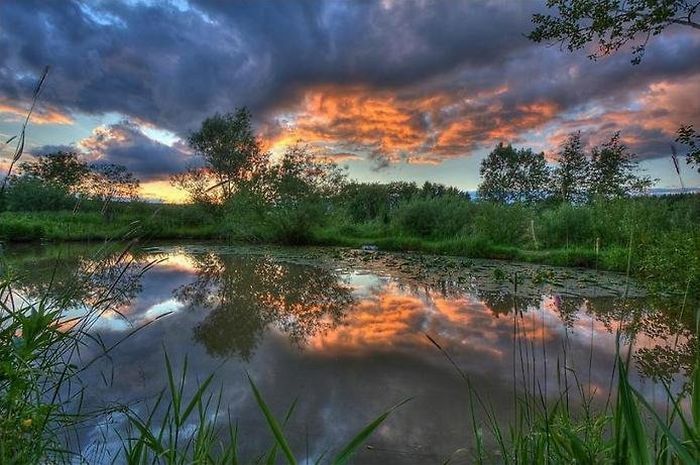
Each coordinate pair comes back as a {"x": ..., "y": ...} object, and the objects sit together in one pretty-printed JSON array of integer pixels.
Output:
[
  {"x": 613, "y": 171},
  {"x": 63, "y": 169},
  {"x": 688, "y": 136},
  {"x": 611, "y": 24},
  {"x": 109, "y": 182},
  {"x": 231, "y": 157},
  {"x": 571, "y": 176},
  {"x": 513, "y": 175}
]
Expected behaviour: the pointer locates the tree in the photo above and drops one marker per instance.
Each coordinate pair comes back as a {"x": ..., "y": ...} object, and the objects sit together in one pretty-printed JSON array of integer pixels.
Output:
[
  {"x": 611, "y": 23},
  {"x": 510, "y": 175},
  {"x": 62, "y": 169},
  {"x": 230, "y": 151},
  {"x": 613, "y": 170},
  {"x": 197, "y": 182},
  {"x": 109, "y": 182},
  {"x": 570, "y": 177},
  {"x": 29, "y": 193},
  {"x": 302, "y": 175}
]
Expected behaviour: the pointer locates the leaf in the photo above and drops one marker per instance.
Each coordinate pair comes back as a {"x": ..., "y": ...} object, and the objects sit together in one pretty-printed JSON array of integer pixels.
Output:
[
  {"x": 273, "y": 424},
  {"x": 359, "y": 439},
  {"x": 632, "y": 421}
]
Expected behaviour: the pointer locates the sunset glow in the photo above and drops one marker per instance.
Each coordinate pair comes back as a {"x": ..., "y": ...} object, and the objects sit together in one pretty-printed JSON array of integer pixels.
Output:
[{"x": 431, "y": 99}]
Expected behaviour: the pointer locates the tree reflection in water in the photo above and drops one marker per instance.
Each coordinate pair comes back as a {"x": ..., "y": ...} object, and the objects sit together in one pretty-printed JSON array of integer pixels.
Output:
[{"x": 245, "y": 294}]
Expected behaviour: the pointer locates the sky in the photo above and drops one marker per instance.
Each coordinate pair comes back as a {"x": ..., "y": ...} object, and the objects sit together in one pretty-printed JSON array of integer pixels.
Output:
[{"x": 393, "y": 90}]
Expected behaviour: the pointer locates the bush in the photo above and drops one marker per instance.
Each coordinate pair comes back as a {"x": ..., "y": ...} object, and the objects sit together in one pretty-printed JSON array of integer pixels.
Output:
[
  {"x": 438, "y": 217},
  {"x": 566, "y": 225},
  {"x": 503, "y": 224},
  {"x": 294, "y": 225},
  {"x": 30, "y": 194},
  {"x": 14, "y": 228}
]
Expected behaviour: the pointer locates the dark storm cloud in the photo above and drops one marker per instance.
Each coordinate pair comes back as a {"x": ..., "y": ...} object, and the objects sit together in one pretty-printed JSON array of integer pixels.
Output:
[
  {"x": 174, "y": 66},
  {"x": 125, "y": 144}
]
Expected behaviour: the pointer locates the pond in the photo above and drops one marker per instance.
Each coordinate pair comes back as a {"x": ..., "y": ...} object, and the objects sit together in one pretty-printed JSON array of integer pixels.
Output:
[{"x": 350, "y": 333}]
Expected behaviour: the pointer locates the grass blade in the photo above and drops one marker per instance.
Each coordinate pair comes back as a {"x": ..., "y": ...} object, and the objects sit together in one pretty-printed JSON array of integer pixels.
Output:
[
  {"x": 355, "y": 443},
  {"x": 273, "y": 424}
]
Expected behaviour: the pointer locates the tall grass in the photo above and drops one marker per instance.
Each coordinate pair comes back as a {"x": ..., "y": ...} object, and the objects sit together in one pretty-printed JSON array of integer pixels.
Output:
[{"x": 572, "y": 426}]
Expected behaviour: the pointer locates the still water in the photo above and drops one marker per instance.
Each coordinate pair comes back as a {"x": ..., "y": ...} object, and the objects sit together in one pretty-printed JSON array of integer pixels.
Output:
[{"x": 348, "y": 333}]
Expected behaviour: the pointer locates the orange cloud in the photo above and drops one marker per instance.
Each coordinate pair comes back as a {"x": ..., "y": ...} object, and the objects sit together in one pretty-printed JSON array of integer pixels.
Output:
[
  {"x": 648, "y": 124},
  {"x": 41, "y": 115},
  {"x": 391, "y": 318},
  {"x": 390, "y": 125}
]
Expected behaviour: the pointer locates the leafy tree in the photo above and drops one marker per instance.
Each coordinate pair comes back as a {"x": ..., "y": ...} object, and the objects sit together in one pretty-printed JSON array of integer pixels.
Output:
[
  {"x": 691, "y": 139},
  {"x": 110, "y": 182},
  {"x": 63, "y": 169},
  {"x": 513, "y": 175},
  {"x": 301, "y": 174},
  {"x": 432, "y": 190},
  {"x": 611, "y": 23},
  {"x": 231, "y": 153},
  {"x": 298, "y": 189},
  {"x": 570, "y": 177},
  {"x": 613, "y": 170},
  {"x": 197, "y": 182}
]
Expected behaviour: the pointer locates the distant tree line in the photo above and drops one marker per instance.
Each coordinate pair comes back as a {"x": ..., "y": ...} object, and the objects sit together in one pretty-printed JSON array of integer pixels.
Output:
[
  {"x": 233, "y": 166},
  {"x": 520, "y": 175}
]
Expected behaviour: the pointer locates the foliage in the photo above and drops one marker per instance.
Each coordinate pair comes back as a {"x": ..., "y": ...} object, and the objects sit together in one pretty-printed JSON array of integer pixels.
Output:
[
  {"x": 63, "y": 169},
  {"x": 230, "y": 152},
  {"x": 109, "y": 182},
  {"x": 302, "y": 175},
  {"x": 570, "y": 177},
  {"x": 28, "y": 193},
  {"x": 613, "y": 171},
  {"x": 691, "y": 139},
  {"x": 197, "y": 182},
  {"x": 433, "y": 217},
  {"x": 610, "y": 24},
  {"x": 513, "y": 175}
]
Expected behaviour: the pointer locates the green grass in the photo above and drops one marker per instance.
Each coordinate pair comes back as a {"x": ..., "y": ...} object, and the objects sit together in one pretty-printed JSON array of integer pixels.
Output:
[
  {"x": 86, "y": 226},
  {"x": 595, "y": 235}
]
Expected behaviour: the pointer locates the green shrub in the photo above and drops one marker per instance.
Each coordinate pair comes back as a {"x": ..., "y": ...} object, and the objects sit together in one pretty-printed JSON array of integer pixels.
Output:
[
  {"x": 30, "y": 194},
  {"x": 565, "y": 225},
  {"x": 14, "y": 228},
  {"x": 503, "y": 224},
  {"x": 438, "y": 217},
  {"x": 294, "y": 225}
]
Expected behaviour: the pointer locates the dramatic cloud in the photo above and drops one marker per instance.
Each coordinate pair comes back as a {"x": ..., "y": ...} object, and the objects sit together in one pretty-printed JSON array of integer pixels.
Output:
[
  {"x": 384, "y": 81},
  {"x": 124, "y": 143}
]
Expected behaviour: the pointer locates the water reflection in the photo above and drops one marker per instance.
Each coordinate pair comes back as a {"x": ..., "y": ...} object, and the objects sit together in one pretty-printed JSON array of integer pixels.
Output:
[
  {"x": 243, "y": 295},
  {"x": 346, "y": 333}
]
